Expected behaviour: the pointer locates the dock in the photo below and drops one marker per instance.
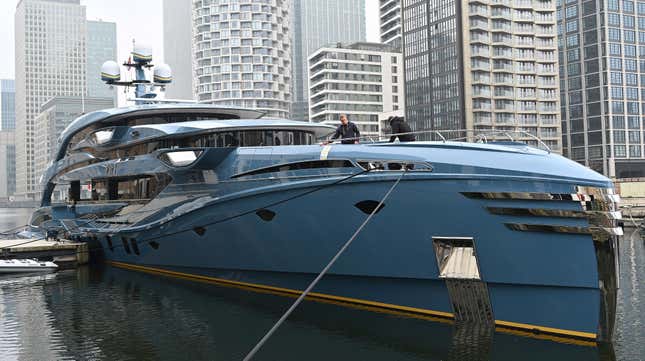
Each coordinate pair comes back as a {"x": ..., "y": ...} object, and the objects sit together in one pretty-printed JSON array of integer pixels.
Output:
[{"x": 65, "y": 253}]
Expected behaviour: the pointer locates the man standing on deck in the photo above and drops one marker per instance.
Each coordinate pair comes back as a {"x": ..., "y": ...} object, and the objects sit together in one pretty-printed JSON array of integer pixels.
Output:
[
  {"x": 346, "y": 131},
  {"x": 400, "y": 129}
]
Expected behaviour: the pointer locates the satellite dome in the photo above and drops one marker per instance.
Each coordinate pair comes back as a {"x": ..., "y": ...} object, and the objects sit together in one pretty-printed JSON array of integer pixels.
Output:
[
  {"x": 162, "y": 74},
  {"x": 110, "y": 72},
  {"x": 141, "y": 54}
]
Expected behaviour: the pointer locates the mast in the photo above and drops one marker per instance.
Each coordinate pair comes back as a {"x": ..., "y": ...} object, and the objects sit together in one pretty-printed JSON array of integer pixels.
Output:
[{"x": 140, "y": 59}]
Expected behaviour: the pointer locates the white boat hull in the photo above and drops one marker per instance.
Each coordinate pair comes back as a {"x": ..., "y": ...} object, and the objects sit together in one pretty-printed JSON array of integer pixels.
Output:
[{"x": 26, "y": 266}]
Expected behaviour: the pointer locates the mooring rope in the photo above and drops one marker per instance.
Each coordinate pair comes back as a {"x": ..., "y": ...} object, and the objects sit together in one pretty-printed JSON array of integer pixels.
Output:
[{"x": 304, "y": 294}]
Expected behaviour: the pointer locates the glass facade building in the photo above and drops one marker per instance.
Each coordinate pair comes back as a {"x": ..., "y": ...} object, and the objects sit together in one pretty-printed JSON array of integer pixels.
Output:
[
  {"x": 483, "y": 66},
  {"x": 602, "y": 82},
  {"x": 177, "y": 47},
  {"x": 242, "y": 53},
  {"x": 316, "y": 24},
  {"x": 101, "y": 47},
  {"x": 7, "y": 104},
  {"x": 43, "y": 72},
  {"x": 7, "y": 163}
]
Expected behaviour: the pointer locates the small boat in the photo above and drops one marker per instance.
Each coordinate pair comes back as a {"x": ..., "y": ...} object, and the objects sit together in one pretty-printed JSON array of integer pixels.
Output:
[{"x": 26, "y": 266}]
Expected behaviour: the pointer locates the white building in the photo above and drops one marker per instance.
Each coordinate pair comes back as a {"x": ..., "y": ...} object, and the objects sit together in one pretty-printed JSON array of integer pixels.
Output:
[
  {"x": 390, "y": 21},
  {"x": 50, "y": 61},
  {"x": 243, "y": 54},
  {"x": 361, "y": 80},
  {"x": 318, "y": 23},
  {"x": 177, "y": 45}
]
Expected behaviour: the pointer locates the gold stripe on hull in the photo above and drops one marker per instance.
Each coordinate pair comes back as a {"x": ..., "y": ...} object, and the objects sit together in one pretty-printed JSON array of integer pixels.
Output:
[{"x": 521, "y": 329}]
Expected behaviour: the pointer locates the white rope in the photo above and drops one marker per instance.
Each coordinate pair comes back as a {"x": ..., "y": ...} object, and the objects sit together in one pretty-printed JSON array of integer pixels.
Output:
[{"x": 266, "y": 337}]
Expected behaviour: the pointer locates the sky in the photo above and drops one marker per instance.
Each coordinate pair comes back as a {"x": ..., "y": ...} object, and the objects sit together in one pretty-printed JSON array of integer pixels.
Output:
[{"x": 141, "y": 20}]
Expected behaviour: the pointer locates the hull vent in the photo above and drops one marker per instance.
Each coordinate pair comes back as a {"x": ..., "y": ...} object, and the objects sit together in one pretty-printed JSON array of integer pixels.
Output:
[{"x": 458, "y": 266}]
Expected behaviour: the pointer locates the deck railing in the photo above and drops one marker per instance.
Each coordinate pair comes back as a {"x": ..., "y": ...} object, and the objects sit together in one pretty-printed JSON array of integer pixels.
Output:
[{"x": 462, "y": 135}]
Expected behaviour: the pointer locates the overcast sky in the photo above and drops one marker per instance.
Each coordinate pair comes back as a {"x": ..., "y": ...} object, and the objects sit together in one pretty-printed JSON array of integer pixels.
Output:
[{"x": 140, "y": 19}]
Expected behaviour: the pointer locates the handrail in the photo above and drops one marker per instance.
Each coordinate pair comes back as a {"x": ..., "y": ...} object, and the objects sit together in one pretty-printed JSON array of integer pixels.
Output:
[{"x": 481, "y": 135}]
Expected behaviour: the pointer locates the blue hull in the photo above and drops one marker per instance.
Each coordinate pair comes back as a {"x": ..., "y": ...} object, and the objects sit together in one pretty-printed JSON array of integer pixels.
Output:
[
  {"x": 498, "y": 233},
  {"x": 536, "y": 280}
]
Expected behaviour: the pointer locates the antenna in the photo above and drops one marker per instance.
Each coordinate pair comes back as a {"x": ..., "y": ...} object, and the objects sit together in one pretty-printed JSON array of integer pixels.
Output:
[{"x": 140, "y": 59}]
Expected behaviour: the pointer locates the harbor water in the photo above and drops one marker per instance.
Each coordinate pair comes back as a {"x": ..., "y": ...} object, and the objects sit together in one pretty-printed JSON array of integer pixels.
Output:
[{"x": 105, "y": 313}]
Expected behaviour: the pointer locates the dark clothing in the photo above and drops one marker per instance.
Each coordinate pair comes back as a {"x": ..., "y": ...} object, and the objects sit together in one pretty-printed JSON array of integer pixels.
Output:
[
  {"x": 399, "y": 126},
  {"x": 344, "y": 131}
]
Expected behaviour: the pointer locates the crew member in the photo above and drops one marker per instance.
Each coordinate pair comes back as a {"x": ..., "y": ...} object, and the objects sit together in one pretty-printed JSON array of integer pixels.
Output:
[
  {"x": 347, "y": 132},
  {"x": 399, "y": 126}
]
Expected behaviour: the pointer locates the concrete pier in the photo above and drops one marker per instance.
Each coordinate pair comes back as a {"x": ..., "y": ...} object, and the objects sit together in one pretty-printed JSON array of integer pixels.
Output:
[{"x": 65, "y": 253}]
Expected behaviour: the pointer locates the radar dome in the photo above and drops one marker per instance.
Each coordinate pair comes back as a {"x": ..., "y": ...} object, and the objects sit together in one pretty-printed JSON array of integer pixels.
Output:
[
  {"x": 162, "y": 74},
  {"x": 141, "y": 53},
  {"x": 110, "y": 72}
]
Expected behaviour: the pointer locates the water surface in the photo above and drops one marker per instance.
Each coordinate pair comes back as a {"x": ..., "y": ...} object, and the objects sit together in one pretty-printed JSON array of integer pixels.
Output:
[{"x": 113, "y": 314}]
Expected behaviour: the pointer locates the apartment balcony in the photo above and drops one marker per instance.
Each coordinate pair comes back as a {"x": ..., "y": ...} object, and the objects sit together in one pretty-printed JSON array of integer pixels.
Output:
[
  {"x": 502, "y": 28},
  {"x": 528, "y": 30},
  {"x": 507, "y": 68},
  {"x": 548, "y": 85},
  {"x": 479, "y": 11},
  {"x": 481, "y": 80},
  {"x": 523, "y": 4},
  {"x": 541, "y": 31},
  {"x": 504, "y": 95},
  {"x": 544, "y": 5},
  {"x": 482, "y": 119},
  {"x": 482, "y": 107},
  {"x": 479, "y": 24},
  {"x": 525, "y": 44},
  {"x": 505, "y": 53},
  {"x": 544, "y": 19},
  {"x": 482, "y": 39},
  {"x": 480, "y": 66},
  {"x": 524, "y": 18},
  {"x": 501, "y": 13},
  {"x": 480, "y": 52},
  {"x": 546, "y": 59},
  {"x": 525, "y": 69},
  {"x": 481, "y": 94},
  {"x": 526, "y": 96},
  {"x": 547, "y": 108},
  {"x": 542, "y": 43},
  {"x": 501, "y": 2},
  {"x": 526, "y": 83}
]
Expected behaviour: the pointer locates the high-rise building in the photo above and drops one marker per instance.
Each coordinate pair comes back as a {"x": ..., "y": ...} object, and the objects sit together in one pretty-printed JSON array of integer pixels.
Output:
[
  {"x": 390, "y": 18},
  {"x": 101, "y": 46},
  {"x": 7, "y": 138},
  {"x": 243, "y": 54},
  {"x": 361, "y": 80},
  {"x": 7, "y": 104},
  {"x": 316, "y": 24},
  {"x": 177, "y": 45},
  {"x": 7, "y": 163},
  {"x": 50, "y": 61},
  {"x": 54, "y": 117},
  {"x": 602, "y": 74},
  {"x": 482, "y": 66}
]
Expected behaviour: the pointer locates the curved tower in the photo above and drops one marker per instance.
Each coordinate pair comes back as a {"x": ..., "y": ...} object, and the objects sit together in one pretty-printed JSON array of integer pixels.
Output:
[{"x": 243, "y": 54}]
